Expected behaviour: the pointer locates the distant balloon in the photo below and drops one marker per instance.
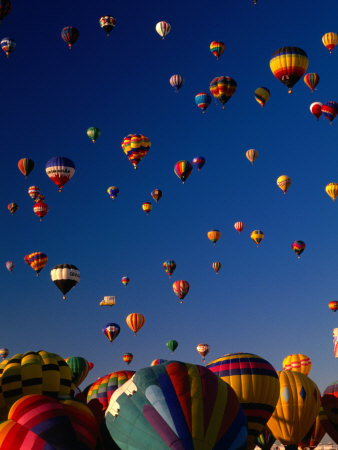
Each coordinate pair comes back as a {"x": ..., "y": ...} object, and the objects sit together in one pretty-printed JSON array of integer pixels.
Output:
[
  {"x": 284, "y": 182},
  {"x": 128, "y": 357},
  {"x": 330, "y": 110},
  {"x": 176, "y": 81},
  {"x": 93, "y": 133},
  {"x": 172, "y": 345},
  {"x": 216, "y": 266},
  {"x": 223, "y": 88},
  {"x": 147, "y": 207},
  {"x": 60, "y": 170},
  {"x": 12, "y": 207},
  {"x": 183, "y": 170},
  {"x": 333, "y": 305},
  {"x": 262, "y": 95},
  {"x": 125, "y": 280},
  {"x": 107, "y": 23},
  {"x": 111, "y": 331},
  {"x": 257, "y": 236},
  {"x": 156, "y": 195},
  {"x": 203, "y": 350},
  {"x": 4, "y": 352},
  {"x": 40, "y": 209},
  {"x": 25, "y": 166},
  {"x": 239, "y": 226},
  {"x": 181, "y": 288},
  {"x": 70, "y": 35},
  {"x": 332, "y": 190},
  {"x": 203, "y": 100},
  {"x": 214, "y": 236},
  {"x": 10, "y": 267},
  {"x": 311, "y": 80},
  {"x": 37, "y": 261},
  {"x": 135, "y": 322},
  {"x": 65, "y": 276},
  {"x": 217, "y": 48},
  {"x": 113, "y": 191},
  {"x": 163, "y": 28},
  {"x": 5, "y": 8},
  {"x": 335, "y": 342},
  {"x": 298, "y": 247},
  {"x": 316, "y": 109},
  {"x": 252, "y": 155},
  {"x": 169, "y": 267},
  {"x": 34, "y": 192},
  {"x": 288, "y": 65},
  {"x": 135, "y": 146},
  {"x": 330, "y": 40},
  {"x": 198, "y": 162},
  {"x": 7, "y": 45},
  {"x": 297, "y": 363}
]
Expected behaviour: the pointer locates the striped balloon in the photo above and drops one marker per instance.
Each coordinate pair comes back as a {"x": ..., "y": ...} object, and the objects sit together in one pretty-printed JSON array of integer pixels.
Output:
[
  {"x": 111, "y": 331},
  {"x": 256, "y": 385},
  {"x": 223, "y": 88},
  {"x": 135, "y": 322},
  {"x": 262, "y": 95},
  {"x": 181, "y": 289},
  {"x": 37, "y": 261},
  {"x": 216, "y": 266},
  {"x": 214, "y": 236},
  {"x": 183, "y": 170},
  {"x": 135, "y": 146},
  {"x": 311, "y": 80},
  {"x": 330, "y": 40},
  {"x": 60, "y": 170},
  {"x": 203, "y": 100},
  {"x": 34, "y": 192},
  {"x": 330, "y": 110},
  {"x": 156, "y": 195},
  {"x": 25, "y": 166},
  {"x": 125, "y": 281},
  {"x": 217, "y": 48},
  {"x": 298, "y": 247},
  {"x": 127, "y": 358},
  {"x": 70, "y": 35},
  {"x": 176, "y": 81},
  {"x": 163, "y": 28},
  {"x": 332, "y": 190},
  {"x": 239, "y": 226},
  {"x": 12, "y": 207},
  {"x": 297, "y": 363},
  {"x": 288, "y": 65},
  {"x": 251, "y": 155}
]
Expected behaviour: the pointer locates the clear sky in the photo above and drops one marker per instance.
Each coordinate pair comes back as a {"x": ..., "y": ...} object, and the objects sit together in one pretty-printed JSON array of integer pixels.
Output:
[{"x": 264, "y": 300}]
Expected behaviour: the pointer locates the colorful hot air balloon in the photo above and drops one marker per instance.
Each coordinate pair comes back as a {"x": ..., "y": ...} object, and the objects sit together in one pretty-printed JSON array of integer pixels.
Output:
[
  {"x": 60, "y": 170},
  {"x": 37, "y": 261},
  {"x": 217, "y": 48},
  {"x": 40, "y": 209},
  {"x": 223, "y": 88},
  {"x": 156, "y": 195},
  {"x": 5, "y": 7},
  {"x": 214, "y": 236},
  {"x": 172, "y": 345},
  {"x": 252, "y": 155},
  {"x": 163, "y": 28},
  {"x": 284, "y": 182},
  {"x": 183, "y": 170},
  {"x": 198, "y": 162},
  {"x": 330, "y": 110},
  {"x": 256, "y": 385},
  {"x": 111, "y": 331},
  {"x": 113, "y": 191},
  {"x": 296, "y": 410},
  {"x": 125, "y": 281},
  {"x": 168, "y": 404},
  {"x": 176, "y": 81},
  {"x": 107, "y": 23},
  {"x": 333, "y": 305},
  {"x": 169, "y": 267},
  {"x": 298, "y": 247},
  {"x": 297, "y": 363},
  {"x": 203, "y": 350},
  {"x": 65, "y": 276},
  {"x": 330, "y": 406},
  {"x": 79, "y": 367},
  {"x": 12, "y": 207},
  {"x": 311, "y": 80},
  {"x": 262, "y": 95},
  {"x": 127, "y": 358},
  {"x": 216, "y": 266},
  {"x": 239, "y": 226},
  {"x": 330, "y": 40},
  {"x": 332, "y": 190},
  {"x": 288, "y": 64},
  {"x": 147, "y": 207},
  {"x": 257, "y": 236},
  {"x": 34, "y": 192},
  {"x": 266, "y": 439},
  {"x": 25, "y": 166},
  {"x": 158, "y": 361},
  {"x": 181, "y": 288},
  {"x": 135, "y": 322},
  {"x": 10, "y": 267},
  {"x": 335, "y": 342},
  {"x": 316, "y": 109},
  {"x": 70, "y": 35},
  {"x": 4, "y": 352},
  {"x": 93, "y": 133},
  {"x": 8, "y": 45},
  {"x": 135, "y": 146},
  {"x": 203, "y": 100}
]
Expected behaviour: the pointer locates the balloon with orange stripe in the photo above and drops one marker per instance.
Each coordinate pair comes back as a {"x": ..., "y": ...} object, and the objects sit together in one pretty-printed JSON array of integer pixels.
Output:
[{"x": 135, "y": 322}]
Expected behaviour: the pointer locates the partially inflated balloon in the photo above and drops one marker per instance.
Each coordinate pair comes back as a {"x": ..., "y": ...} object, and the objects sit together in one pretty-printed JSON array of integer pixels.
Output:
[
  {"x": 239, "y": 226},
  {"x": 262, "y": 95},
  {"x": 181, "y": 289},
  {"x": 172, "y": 345},
  {"x": 198, "y": 162},
  {"x": 284, "y": 182},
  {"x": 183, "y": 169},
  {"x": 65, "y": 276},
  {"x": 128, "y": 357},
  {"x": 169, "y": 267},
  {"x": 297, "y": 363},
  {"x": 214, "y": 236},
  {"x": 330, "y": 406},
  {"x": 203, "y": 100},
  {"x": 70, "y": 35},
  {"x": 113, "y": 191},
  {"x": 216, "y": 266},
  {"x": 135, "y": 322},
  {"x": 330, "y": 40},
  {"x": 298, "y": 247},
  {"x": 111, "y": 331},
  {"x": 60, "y": 170},
  {"x": 107, "y": 23},
  {"x": 156, "y": 195},
  {"x": 135, "y": 146},
  {"x": 25, "y": 166},
  {"x": 176, "y": 81},
  {"x": 79, "y": 367},
  {"x": 257, "y": 236},
  {"x": 332, "y": 190},
  {"x": 251, "y": 155},
  {"x": 203, "y": 350},
  {"x": 316, "y": 109},
  {"x": 176, "y": 405},
  {"x": 7, "y": 45},
  {"x": 147, "y": 207},
  {"x": 163, "y": 28},
  {"x": 93, "y": 133},
  {"x": 217, "y": 48},
  {"x": 311, "y": 80},
  {"x": 12, "y": 207},
  {"x": 288, "y": 64},
  {"x": 333, "y": 305}
]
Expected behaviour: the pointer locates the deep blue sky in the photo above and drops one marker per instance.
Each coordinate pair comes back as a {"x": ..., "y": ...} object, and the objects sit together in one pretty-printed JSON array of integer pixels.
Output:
[{"x": 264, "y": 300}]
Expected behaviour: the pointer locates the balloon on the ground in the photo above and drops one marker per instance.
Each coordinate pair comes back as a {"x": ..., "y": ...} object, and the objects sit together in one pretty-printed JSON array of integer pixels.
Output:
[
  {"x": 172, "y": 345},
  {"x": 214, "y": 236},
  {"x": 65, "y": 276},
  {"x": 163, "y": 28},
  {"x": 183, "y": 170},
  {"x": 316, "y": 109},
  {"x": 135, "y": 322},
  {"x": 125, "y": 281},
  {"x": 26, "y": 165},
  {"x": 111, "y": 331},
  {"x": 60, "y": 170},
  {"x": 257, "y": 236},
  {"x": 297, "y": 363},
  {"x": 93, "y": 133},
  {"x": 127, "y": 358},
  {"x": 203, "y": 100},
  {"x": 107, "y": 23},
  {"x": 288, "y": 65},
  {"x": 181, "y": 289},
  {"x": 311, "y": 80},
  {"x": 262, "y": 95},
  {"x": 70, "y": 35},
  {"x": 198, "y": 162},
  {"x": 216, "y": 266},
  {"x": 169, "y": 267},
  {"x": 176, "y": 81},
  {"x": 217, "y": 48},
  {"x": 239, "y": 226},
  {"x": 298, "y": 247},
  {"x": 135, "y": 146},
  {"x": 251, "y": 155},
  {"x": 8, "y": 45},
  {"x": 203, "y": 350},
  {"x": 332, "y": 190},
  {"x": 330, "y": 40},
  {"x": 156, "y": 195},
  {"x": 284, "y": 182}
]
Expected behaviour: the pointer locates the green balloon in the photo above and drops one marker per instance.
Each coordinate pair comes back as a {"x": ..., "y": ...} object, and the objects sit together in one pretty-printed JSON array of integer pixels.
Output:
[
  {"x": 93, "y": 133},
  {"x": 172, "y": 345}
]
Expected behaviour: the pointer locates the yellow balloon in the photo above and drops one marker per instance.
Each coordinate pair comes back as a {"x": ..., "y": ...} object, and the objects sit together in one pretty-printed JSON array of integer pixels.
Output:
[
  {"x": 257, "y": 236},
  {"x": 330, "y": 40},
  {"x": 284, "y": 182},
  {"x": 252, "y": 155},
  {"x": 332, "y": 190},
  {"x": 214, "y": 236},
  {"x": 147, "y": 207},
  {"x": 297, "y": 363}
]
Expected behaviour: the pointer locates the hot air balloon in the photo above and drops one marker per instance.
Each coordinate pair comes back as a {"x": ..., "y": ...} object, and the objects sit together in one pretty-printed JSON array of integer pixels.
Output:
[
  {"x": 70, "y": 35},
  {"x": 257, "y": 236},
  {"x": 169, "y": 267},
  {"x": 125, "y": 280},
  {"x": 223, "y": 88},
  {"x": 203, "y": 350},
  {"x": 93, "y": 133},
  {"x": 252, "y": 155},
  {"x": 108, "y": 300},
  {"x": 262, "y": 95},
  {"x": 330, "y": 110},
  {"x": 168, "y": 404},
  {"x": 111, "y": 331},
  {"x": 330, "y": 406},
  {"x": 298, "y": 247},
  {"x": 176, "y": 81},
  {"x": 25, "y": 166},
  {"x": 34, "y": 192},
  {"x": 4, "y": 352},
  {"x": 239, "y": 226},
  {"x": 156, "y": 195},
  {"x": 316, "y": 109},
  {"x": 158, "y": 361},
  {"x": 8, "y": 45},
  {"x": 183, "y": 169},
  {"x": 181, "y": 288},
  {"x": 113, "y": 191},
  {"x": 316, "y": 432},
  {"x": 65, "y": 276},
  {"x": 298, "y": 363},
  {"x": 203, "y": 100},
  {"x": 216, "y": 266},
  {"x": 5, "y": 7},
  {"x": 40, "y": 209},
  {"x": 333, "y": 305},
  {"x": 266, "y": 439},
  {"x": 60, "y": 170},
  {"x": 163, "y": 28},
  {"x": 79, "y": 367},
  {"x": 37, "y": 261},
  {"x": 284, "y": 182},
  {"x": 12, "y": 207},
  {"x": 335, "y": 342},
  {"x": 10, "y": 267},
  {"x": 107, "y": 23},
  {"x": 172, "y": 345},
  {"x": 311, "y": 80},
  {"x": 330, "y": 40},
  {"x": 214, "y": 236},
  {"x": 332, "y": 190},
  {"x": 256, "y": 385},
  {"x": 147, "y": 207},
  {"x": 135, "y": 146},
  {"x": 135, "y": 322},
  {"x": 288, "y": 64},
  {"x": 296, "y": 410},
  {"x": 198, "y": 162},
  {"x": 127, "y": 358},
  {"x": 217, "y": 48}
]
